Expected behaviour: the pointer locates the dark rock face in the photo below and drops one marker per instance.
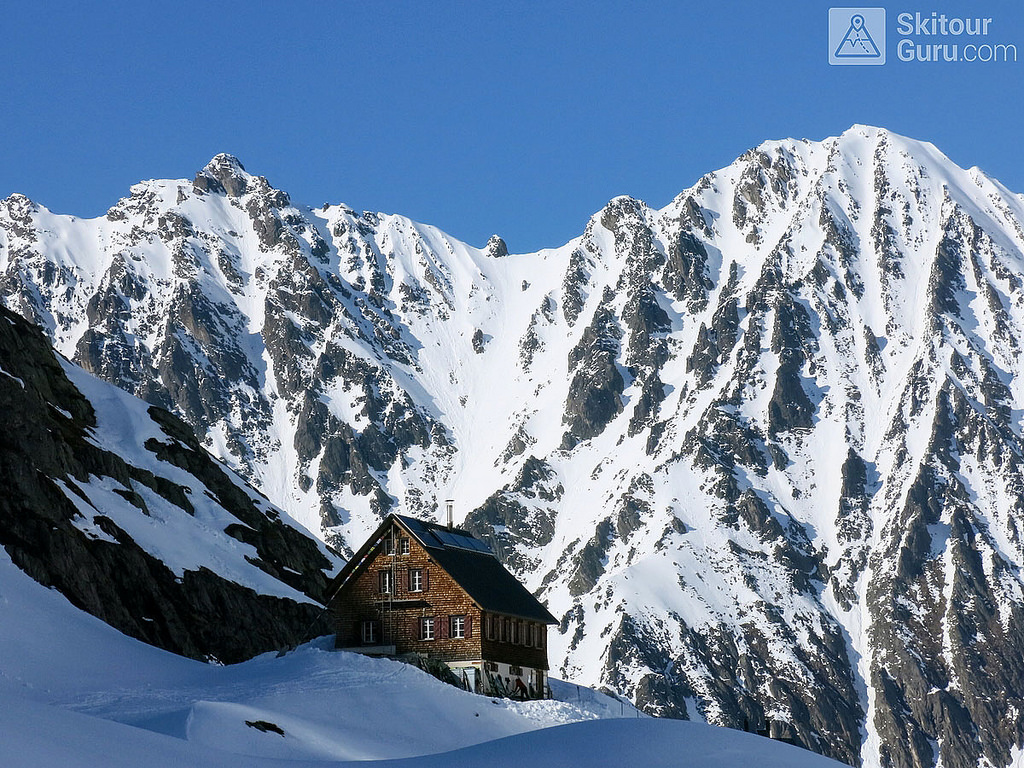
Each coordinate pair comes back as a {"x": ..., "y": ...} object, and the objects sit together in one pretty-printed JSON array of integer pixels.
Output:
[
  {"x": 574, "y": 286},
  {"x": 715, "y": 343},
  {"x": 853, "y": 526},
  {"x": 960, "y": 636},
  {"x": 596, "y": 388},
  {"x": 479, "y": 341},
  {"x": 588, "y": 563},
  {"x": 790, "y": 408},
  {"x": 496, "y": 247},
  {"x": 199, "y": 614},
  {"x": 224, "y": 174},
  {"x": 520, "y": 518},
  {"x": 685, "y": 273}
]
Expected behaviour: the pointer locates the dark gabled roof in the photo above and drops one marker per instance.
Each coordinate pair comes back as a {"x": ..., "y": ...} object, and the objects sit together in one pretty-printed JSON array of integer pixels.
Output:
[
  {"x": 468, "y": 561},
  {"x": 475, "y": 568},
  {"x": 434, "y": 536},
  {"x": 491, "y": 586}
]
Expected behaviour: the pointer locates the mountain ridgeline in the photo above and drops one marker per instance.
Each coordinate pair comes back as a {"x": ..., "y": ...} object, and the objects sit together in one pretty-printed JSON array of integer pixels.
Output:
[{"x": 759, "y": 450}]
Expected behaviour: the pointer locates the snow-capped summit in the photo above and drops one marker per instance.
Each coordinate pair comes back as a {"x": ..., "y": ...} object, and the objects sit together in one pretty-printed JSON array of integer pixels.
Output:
[{"x": 759, "y": 450}]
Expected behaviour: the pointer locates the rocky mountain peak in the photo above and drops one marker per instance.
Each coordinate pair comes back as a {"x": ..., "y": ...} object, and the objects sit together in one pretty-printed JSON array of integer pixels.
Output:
[
  {"x": 17, "y": 208},
  {"x": 18, "y": 200},
  {"x": 496, "y": 247},
  {"x": 223, "y": 174}
]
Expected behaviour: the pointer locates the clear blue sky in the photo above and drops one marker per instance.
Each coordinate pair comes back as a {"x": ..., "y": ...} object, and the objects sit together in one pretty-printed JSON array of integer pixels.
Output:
[{"x": 516, "y": 118}]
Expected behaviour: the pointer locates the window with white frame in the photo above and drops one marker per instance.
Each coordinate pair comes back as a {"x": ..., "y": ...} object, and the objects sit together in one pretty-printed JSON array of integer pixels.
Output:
[
  {"x": 427, "y": 628},
  {"x": 403, "y": 545},
  {"x": 386, "y": 583},
  {"x": 457, "y": 626},
  {"x": 371, "y": 634},
  {"x": 389, "y": 544},
  {"x": 415, "y": 579}
]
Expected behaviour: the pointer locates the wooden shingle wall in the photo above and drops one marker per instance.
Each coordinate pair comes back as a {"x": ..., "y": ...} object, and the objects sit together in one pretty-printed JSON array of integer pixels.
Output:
[{"x": 489, "y": 636}]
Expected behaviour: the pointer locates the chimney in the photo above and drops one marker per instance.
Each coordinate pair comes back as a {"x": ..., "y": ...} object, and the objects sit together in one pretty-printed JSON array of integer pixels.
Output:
[{"x": 449, "y": 506}]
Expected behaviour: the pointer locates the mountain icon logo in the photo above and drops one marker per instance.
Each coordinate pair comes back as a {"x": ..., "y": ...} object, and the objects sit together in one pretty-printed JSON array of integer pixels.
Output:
[
  {"x": 856, "y": 35},
  {"x": 857, "y": 40}
]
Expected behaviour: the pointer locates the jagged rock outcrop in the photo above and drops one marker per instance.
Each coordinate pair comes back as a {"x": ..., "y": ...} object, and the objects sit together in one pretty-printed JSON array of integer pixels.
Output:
[{"x": 71, "y": 505}]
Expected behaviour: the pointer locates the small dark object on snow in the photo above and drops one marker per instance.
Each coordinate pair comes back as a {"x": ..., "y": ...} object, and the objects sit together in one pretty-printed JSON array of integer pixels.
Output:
[{"x": 264, "y": 726}]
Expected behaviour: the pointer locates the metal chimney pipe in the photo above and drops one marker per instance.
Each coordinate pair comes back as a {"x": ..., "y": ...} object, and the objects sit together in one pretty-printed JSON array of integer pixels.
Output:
[{"x": 449, "y": 507}]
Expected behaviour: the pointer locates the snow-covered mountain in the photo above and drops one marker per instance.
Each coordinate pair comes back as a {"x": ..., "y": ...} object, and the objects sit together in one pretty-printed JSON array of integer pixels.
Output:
[{"x": 761, "y": 449}]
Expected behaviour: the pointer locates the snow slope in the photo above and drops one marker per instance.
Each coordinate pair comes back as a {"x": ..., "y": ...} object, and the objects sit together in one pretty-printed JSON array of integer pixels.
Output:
[{"x": 74, "y": 692}]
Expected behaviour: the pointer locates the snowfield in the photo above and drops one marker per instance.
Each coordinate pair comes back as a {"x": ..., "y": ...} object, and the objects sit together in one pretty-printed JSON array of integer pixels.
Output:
[{"x": 76, "y": 693}]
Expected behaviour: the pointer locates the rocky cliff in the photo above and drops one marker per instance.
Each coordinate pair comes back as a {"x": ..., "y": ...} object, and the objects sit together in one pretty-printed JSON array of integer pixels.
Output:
[{"x": 115, "y": 504}]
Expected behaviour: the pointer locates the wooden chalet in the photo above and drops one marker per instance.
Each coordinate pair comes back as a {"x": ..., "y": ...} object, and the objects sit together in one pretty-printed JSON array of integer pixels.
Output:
[{"x": 420, "y": 588}]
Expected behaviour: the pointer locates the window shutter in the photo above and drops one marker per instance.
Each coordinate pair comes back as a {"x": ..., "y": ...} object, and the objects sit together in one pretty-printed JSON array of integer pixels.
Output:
[
  {"x": 417, "y": 628},
  {"x": 426, "y": 579},
  {"x": 441, "y": 627},
  {"x": 469, "y": 626},
  {"x": 408, "y": 579}
]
